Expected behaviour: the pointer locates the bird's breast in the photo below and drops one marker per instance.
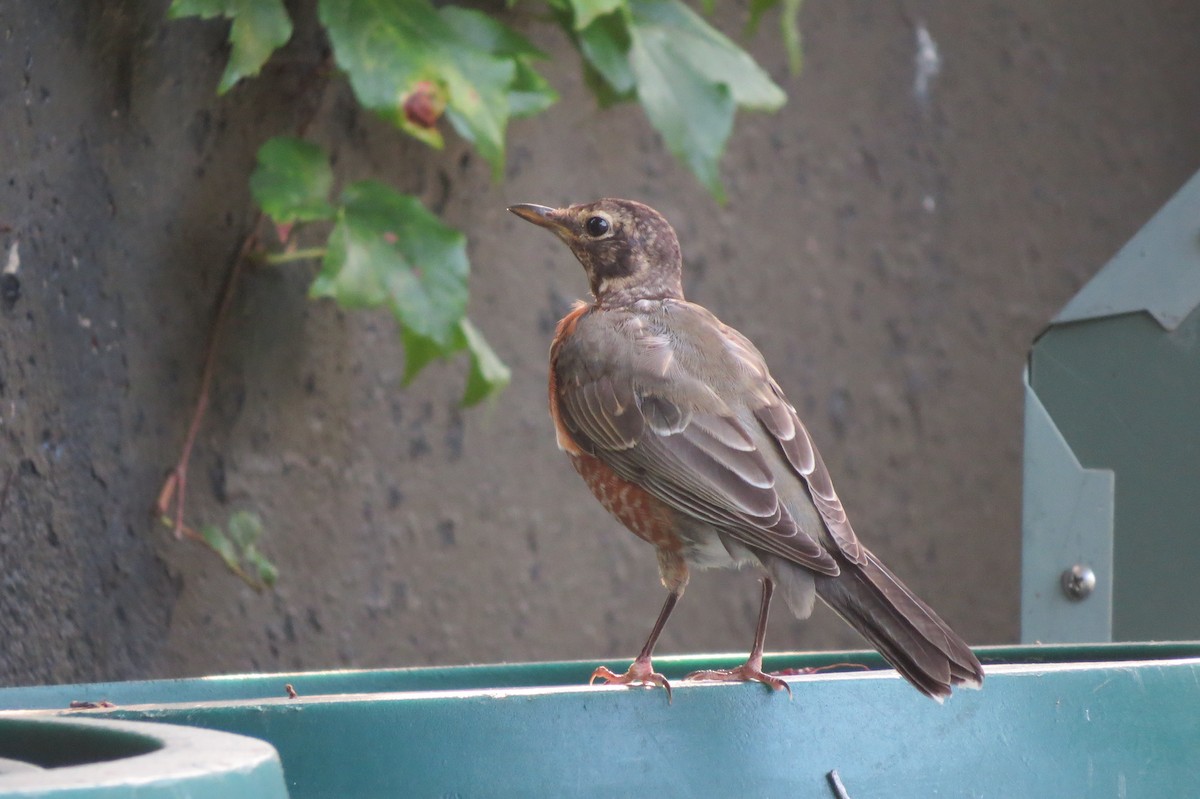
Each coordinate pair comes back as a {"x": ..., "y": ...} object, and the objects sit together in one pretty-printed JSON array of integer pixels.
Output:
[
  {"x": 564, "y": 330},
  {"x": 646, "y": 517}
]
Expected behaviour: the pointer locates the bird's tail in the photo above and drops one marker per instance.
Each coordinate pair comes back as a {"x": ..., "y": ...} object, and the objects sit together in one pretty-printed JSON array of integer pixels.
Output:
[{"x": 905, "y": 630}]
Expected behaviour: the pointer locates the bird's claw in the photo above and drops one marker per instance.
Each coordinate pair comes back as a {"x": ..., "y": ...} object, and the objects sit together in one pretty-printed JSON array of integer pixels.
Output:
[
  {"x": 747, "y": 672},
  {"x": 640, "y": 673}
]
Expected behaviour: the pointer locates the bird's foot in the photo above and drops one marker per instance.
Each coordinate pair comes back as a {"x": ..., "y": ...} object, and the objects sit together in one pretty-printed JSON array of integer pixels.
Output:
[
  {"x": 641, "y": 672},
  {"x": 749, "y": 671}
]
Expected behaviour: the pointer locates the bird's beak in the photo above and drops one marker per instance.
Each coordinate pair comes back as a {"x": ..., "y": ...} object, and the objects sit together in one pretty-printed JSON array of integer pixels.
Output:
[{"x": 540, "y": 215}]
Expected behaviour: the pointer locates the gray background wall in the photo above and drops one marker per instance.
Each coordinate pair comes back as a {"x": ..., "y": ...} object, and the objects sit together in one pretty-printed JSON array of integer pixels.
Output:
[{"x": 892, "y": 258}]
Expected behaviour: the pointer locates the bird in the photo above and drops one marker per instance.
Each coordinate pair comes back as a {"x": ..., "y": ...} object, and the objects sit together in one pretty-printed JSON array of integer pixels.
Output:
[{"x": 677, "y": 427}]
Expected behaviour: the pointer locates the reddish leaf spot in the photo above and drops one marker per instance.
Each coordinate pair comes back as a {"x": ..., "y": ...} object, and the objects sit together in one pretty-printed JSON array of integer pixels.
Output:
[{"x": 423, "y": 106}]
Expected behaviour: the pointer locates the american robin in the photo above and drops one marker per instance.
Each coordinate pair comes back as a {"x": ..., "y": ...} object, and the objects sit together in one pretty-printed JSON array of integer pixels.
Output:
[{"x": 677, "y": 427}]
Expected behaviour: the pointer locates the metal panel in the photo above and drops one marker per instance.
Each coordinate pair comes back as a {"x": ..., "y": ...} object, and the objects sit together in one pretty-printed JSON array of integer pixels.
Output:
[
  {"x": 1116, "y": 378},
  {"x": 1157, "y": 271},
  {"x": 1067, "y": 522},
  {"x": 1116, "y": 728},
  {"x": 1125, "y": 394}
]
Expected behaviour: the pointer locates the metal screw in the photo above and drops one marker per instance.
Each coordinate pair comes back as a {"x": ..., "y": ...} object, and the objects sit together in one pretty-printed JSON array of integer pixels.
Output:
[{"x": 1078, "y": 581}]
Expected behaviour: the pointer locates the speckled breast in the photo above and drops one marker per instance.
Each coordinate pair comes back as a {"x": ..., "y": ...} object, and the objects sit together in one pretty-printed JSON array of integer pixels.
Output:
[{"x": 646, "y": 517}]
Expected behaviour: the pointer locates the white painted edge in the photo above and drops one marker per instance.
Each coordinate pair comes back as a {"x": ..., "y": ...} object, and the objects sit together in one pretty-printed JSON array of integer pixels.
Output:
[{"x": 186, "y": 752}]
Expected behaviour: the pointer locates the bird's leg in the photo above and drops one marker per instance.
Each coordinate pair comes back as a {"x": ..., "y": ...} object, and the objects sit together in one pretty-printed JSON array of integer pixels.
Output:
[
  {"x": 641, "y": 671},
  {"x": 752, "y": 668}
]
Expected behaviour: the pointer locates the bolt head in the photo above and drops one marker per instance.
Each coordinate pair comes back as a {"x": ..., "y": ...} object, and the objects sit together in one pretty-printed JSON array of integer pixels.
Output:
[{"x": 1078, "y": 582}]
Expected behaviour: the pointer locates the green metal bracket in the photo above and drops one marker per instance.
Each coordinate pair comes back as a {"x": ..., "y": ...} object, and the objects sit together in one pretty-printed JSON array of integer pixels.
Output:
[
  {"x": 1067, "y": 522},
  {"x": 1157, "y": 271},
  {"x": 1113, "y": 385}
]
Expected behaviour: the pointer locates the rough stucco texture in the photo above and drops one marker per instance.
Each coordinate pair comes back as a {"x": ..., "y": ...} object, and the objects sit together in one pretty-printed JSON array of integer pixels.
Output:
[{"x": 892, "y": 254}]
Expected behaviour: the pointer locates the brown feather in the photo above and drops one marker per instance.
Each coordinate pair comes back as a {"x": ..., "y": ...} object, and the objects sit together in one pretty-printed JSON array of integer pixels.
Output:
[
  {"x": 906, "y": 631},
  {"x": 780, "y": 419}
]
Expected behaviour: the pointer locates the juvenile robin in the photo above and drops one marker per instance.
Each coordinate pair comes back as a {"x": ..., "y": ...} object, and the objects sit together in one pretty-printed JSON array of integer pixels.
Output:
[{"x": 677, "y": 427}]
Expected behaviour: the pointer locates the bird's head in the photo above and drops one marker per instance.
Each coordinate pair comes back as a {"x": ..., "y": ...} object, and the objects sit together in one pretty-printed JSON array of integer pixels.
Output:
[{"x": 629, "y": 251}]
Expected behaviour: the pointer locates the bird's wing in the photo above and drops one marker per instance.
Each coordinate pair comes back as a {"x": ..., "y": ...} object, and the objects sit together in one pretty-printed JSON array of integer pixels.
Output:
[
  {"x": 779, "y": 418},
  {"x": 759, "y": 392},
  {"x": 660, "y": 427}
]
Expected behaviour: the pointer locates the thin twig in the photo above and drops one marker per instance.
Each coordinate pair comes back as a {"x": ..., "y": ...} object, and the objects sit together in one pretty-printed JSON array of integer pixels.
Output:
[
  {"x": 172, "y": 497},
  {"x": 286, "y": 257},
  {"x": 175, "y": 486}
]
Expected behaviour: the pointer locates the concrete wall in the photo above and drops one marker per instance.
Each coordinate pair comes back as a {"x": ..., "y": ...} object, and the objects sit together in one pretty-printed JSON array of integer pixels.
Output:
[{"x": 893, "y": 255}]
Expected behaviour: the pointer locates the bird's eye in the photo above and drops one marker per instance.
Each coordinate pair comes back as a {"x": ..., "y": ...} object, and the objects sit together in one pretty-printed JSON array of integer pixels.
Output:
[{"x": 597, "y": 226}]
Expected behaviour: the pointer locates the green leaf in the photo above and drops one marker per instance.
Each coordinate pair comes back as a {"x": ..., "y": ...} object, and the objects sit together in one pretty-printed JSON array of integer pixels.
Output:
[
  {"x": 292, "y": 180},
  {"x": 605, "y": 46},
  {"x": 489, "y": 34},
  {"x": 420, "y": 351},
  {"x": 676, "y": 29},
  {"x": 789, "y": 27},
  {"x": 694, "y": 115},
  {"x": 689, "y": 78},
  {"x": 757, "y": 9},
  {"x": 387, "y": 249},
  {"x": 585, "y": 12},
  {"x": 264, "y": 569},
  {"x": 606, "y": 96},
  {"x": 390, "y": 48},
  {"x": 239, "y": 548},
  {"x": 789, "y": 23},
  {"x": 529, "y": 93},
  {"x": 488, "y": 373},
  {"x": 259, "y": 28},
  {"x": 215, "y": 538},
  {"x": 245, "y": 528}
]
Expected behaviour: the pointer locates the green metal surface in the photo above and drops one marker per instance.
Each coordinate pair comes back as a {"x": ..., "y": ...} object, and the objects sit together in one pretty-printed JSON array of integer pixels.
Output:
[
  {"x": 1067, "y": 519},
  {"x": 1157, "y": 271},
  {"x": 93, "y": 758},
  {"x": 1116, "y": 379},
  {"x": 1118, "y": 720},
  {"x": 1125, "y": 395},
  {"x": 44, "y": 743},
  {"x": 231, "y": 687}
]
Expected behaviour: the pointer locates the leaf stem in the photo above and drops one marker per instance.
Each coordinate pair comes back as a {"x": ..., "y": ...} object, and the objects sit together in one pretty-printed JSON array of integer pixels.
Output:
[
  {"x": 174, "y": 489},
  {"x": 172, "y": 497},
  {"x": 294, "y": 255}
]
